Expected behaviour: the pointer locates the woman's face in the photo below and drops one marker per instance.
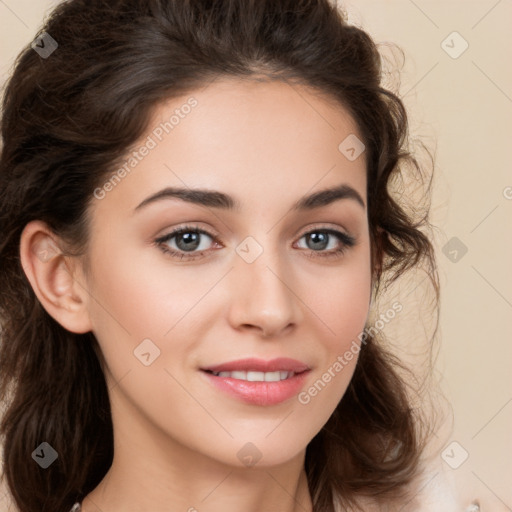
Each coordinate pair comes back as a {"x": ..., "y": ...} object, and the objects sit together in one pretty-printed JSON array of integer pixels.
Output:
[{"x": 250, "y": 277}]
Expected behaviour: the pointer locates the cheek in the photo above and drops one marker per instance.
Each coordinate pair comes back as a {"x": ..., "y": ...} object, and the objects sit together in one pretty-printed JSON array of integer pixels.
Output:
[
  {"x": 143, "y": 299},
  {"x": 139, "y": 299},
  {"x": 341, "y": 308},
  {"x": 341, "y": 303}
]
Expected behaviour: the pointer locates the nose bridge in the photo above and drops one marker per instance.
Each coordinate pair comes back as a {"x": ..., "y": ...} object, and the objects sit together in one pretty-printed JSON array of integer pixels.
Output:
[{"x": 262, "y": 292}]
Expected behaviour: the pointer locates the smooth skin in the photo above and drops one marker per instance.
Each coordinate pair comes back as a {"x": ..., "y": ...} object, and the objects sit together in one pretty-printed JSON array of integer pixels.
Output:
[{"x": 266, "y": 144}]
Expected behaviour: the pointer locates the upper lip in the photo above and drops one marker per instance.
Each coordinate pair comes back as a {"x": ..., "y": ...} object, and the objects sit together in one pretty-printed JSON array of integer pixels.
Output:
[{"x": 260, "y": 365}]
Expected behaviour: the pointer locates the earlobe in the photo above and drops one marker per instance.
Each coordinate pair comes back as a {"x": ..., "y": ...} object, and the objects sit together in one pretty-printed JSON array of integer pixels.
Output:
[{"x": 54, "y": 278}]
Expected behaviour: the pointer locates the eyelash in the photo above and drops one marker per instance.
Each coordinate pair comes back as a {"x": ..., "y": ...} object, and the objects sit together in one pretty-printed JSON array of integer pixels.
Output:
[{"x": 347, "y": 242}]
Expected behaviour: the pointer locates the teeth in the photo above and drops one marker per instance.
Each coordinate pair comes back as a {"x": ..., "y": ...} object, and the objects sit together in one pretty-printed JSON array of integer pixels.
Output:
[{"x": 257, "y": 376}]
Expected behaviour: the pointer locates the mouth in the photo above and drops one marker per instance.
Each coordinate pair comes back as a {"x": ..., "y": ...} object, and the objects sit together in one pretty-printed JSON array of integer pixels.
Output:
[{"x": 259, "y": 382}]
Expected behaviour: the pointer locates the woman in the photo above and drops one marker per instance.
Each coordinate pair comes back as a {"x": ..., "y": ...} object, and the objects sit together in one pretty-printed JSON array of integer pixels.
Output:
[{"x": 247, "y": 371}]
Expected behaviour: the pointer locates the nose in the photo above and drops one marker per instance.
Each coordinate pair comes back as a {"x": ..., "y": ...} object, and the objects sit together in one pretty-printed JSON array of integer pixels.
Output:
[{"x": 262, "y": 296}]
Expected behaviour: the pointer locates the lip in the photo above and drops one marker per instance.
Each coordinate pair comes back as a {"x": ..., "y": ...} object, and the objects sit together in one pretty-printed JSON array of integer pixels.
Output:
[
  {"x": 258, "y": 393},
  {"x": 260, "y": 365}
]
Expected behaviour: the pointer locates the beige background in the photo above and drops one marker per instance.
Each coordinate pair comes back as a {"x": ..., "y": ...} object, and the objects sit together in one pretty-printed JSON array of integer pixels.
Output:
[{"x": 462, "y": 109}]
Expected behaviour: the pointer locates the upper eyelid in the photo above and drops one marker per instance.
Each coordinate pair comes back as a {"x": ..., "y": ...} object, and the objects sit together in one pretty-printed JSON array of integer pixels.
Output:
[{"x": 185, "y": 229}]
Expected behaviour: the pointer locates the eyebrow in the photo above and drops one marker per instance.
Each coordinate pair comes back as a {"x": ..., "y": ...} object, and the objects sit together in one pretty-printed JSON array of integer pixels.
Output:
[{"x": 216, "y": 199}]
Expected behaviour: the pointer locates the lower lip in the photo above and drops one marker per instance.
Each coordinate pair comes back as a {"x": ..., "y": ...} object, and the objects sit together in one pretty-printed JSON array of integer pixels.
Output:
[{"x": 259, "y": 393}]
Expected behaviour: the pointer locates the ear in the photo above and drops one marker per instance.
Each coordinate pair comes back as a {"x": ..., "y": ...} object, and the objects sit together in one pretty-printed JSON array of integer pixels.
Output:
[{"x": 56, "y": 279}]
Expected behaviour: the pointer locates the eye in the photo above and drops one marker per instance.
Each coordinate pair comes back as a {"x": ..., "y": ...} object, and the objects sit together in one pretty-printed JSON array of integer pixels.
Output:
[
  {"x": 188, "y": 240},
  {"x": 320, "y": 239}
]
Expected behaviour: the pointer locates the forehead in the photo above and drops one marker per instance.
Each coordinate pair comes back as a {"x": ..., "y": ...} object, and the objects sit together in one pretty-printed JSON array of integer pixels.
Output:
[{"x": 260, "y": 107}]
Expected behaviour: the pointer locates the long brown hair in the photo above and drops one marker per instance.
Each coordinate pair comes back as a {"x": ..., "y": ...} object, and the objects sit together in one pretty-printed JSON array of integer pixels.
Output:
[{"x": 69, "y": 117}]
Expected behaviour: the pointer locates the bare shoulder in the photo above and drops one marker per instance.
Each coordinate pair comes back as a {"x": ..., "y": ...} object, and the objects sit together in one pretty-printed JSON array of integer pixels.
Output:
[
  {"x": 441, "y": 487},
  {"x": 436, "y": 488}
]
